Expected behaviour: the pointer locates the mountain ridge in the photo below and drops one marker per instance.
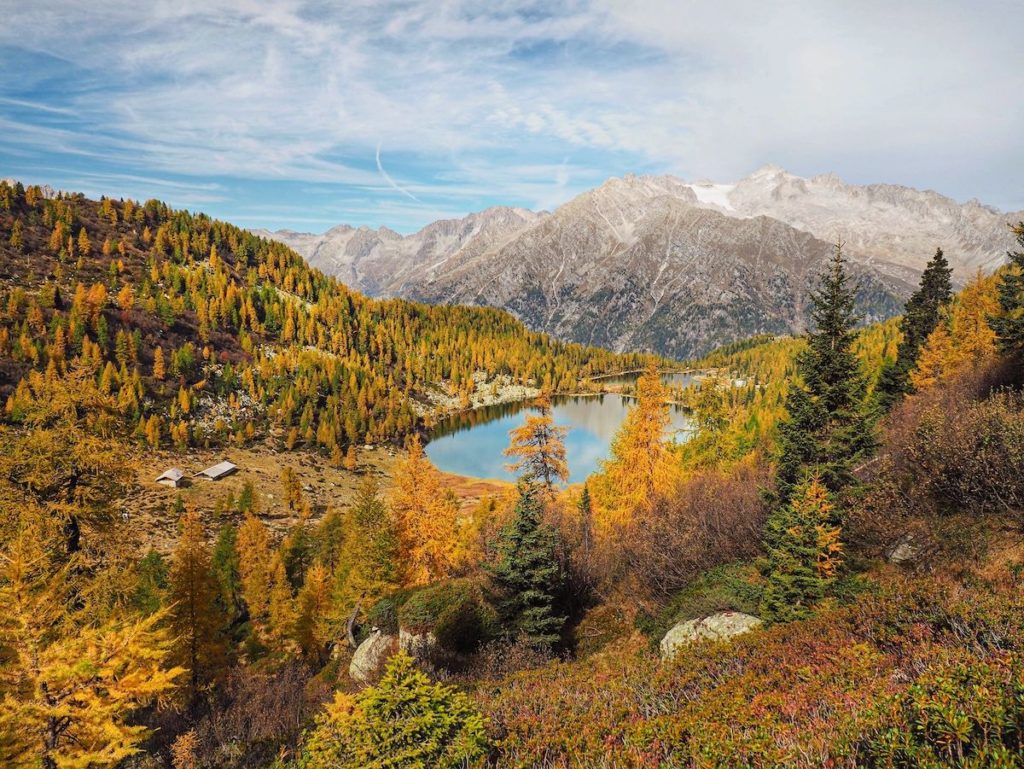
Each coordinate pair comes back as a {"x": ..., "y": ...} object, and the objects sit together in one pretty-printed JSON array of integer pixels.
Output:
[{"x": 669, "y": 279}]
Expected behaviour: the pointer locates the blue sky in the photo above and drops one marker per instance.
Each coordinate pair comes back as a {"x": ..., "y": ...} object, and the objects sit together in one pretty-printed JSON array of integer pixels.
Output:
[{"x": 308, "y": 114}]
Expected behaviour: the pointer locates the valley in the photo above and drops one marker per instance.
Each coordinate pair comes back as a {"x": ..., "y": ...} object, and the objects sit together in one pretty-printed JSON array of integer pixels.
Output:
[
  {"x": 520, "y": 533},
  {"x": 511, "y": 385}
]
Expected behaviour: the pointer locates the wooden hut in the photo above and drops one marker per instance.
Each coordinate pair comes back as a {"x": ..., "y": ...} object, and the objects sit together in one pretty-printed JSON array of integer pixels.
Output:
[{"x": 172, "y": 477}]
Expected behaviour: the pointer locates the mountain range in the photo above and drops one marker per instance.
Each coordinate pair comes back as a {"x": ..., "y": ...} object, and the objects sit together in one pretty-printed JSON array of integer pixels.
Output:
[{"x": 657, "y": 263}]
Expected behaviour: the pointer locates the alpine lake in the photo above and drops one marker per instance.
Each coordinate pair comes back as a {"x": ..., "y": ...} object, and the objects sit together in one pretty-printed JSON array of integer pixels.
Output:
[{"x": 471, "y": 443}]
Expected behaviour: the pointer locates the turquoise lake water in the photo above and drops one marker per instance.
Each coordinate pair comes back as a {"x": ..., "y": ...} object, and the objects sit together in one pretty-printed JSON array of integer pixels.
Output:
[{"x": 472, "y": 443}]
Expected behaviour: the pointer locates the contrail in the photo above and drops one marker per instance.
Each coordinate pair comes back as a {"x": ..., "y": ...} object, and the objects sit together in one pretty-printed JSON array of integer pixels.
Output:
[{"x": 391, "y": 181}]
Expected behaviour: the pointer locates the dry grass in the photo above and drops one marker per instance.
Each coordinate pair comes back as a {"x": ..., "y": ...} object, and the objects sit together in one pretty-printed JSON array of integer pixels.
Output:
[{"x": 150, "y": 506}]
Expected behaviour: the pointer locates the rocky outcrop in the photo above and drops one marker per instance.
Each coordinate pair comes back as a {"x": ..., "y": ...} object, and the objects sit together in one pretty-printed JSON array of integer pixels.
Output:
[
  {"x": 725, "y": 624},
  {"x": 369, "y": 658}
]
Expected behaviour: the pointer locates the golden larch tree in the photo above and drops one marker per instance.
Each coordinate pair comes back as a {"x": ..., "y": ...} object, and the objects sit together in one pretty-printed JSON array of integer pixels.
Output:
[
  {"x": 281, "y": 605},
  {"x": 641, "y": 464},
  {"x": 426, "y": 517},
  {"x": 254, "y": 555},
  {"x": 539, "y": 448},
  {"x": 195, "y": 619},
  {"x": 312, "y": 629}
]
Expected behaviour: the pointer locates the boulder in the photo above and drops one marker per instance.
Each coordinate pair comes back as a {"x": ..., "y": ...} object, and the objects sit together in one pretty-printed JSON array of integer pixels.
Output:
[
  {"x": 905, "y": 551},
  {"x": 369, "y": 658},
  {"x": 725, "y": 624},
  {"x": 419, "y": 646}
]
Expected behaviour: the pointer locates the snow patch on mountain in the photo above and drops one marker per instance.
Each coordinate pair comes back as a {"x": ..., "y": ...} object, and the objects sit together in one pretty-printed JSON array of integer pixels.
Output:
[{"x": 713, "y": 195}]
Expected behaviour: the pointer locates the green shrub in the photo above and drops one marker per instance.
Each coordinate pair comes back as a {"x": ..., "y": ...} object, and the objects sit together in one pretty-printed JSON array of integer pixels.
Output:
[
  {"x": 404, "y": 721},
  {"x": 960, "y": 713},
  {"x": 455, "y": 612},
  {"x": 384, "y": 614},
  {"x": 733, "y": 587}
]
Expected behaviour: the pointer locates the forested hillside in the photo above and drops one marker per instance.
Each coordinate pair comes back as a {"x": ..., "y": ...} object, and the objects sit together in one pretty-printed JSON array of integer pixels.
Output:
[{"x": 205, "y": 334}]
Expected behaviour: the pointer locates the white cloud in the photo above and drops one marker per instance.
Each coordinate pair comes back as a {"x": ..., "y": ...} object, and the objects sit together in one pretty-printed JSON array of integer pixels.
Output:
[{"x": 525, "y": 101}]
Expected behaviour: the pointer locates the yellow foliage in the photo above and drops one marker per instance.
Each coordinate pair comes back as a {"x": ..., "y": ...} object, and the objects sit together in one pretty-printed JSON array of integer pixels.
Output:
[
  {"x": 964, "y": 339},
  {"x": 540, "y": 448},
  {"x": 641, "y": 465},
  {"x": 426, "y": 519},
  {"x": 254, "y": 569},
  {"x": 70, "y": 683}
]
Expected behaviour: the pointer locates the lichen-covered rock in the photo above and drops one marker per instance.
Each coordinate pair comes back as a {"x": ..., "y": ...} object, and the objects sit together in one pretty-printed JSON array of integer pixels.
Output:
[
  {"x": 369, "y": 658},
  {"x": 419, "y": 646},
  {"x": 725, "y": 624}
]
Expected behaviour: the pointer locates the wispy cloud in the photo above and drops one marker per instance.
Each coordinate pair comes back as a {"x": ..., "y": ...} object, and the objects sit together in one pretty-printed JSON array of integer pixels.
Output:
[
  {"x": 517, "y": 101},
  {"x": 391, "y": 182}
]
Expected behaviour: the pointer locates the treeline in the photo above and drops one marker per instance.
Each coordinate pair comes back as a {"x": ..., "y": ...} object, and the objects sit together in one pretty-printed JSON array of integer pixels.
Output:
[{"x": 205, "y": 334}]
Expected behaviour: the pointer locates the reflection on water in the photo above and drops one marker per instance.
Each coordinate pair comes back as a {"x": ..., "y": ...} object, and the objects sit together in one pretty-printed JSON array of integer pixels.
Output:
[
  {"x": 472, "y": 443},
  {"x": 673, "y": 378}
]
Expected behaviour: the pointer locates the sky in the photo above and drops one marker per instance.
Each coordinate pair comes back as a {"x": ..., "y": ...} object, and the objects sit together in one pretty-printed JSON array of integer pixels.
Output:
[{"x": 306, "y": 114}]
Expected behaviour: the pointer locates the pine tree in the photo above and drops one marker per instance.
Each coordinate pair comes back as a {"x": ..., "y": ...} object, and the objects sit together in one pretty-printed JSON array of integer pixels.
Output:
[
  {"x": 585, "y": 515},
  {"x": 351, "y": 462},
  {"x": 17, "y": 241},
  {"x": 937, "y": 359},
  {"x": 922, "y": 314},
  {"x": 964, "y": 339},
  {"x": 199, "y": 645},
  {"x": 225, "y": 567},
  {"x": 254, "y": 555},
  {"x": 84, "y": 246},
  {"x": 159, "y": 370},
  {"x": 150, "y": 584},
  {"x": 71, "y": 678},
  {"x": 1008, "y": 324},
  {"x": 369, "y": 565},
  {"x": 827, "y": 428},
  {"x": 281, "y": 604},
  {"x": 540, "y": 447},
  {"x": 312, "y": 630},
  {"x": 803, "y": 553},
  {"x": 526, "y": 575}
]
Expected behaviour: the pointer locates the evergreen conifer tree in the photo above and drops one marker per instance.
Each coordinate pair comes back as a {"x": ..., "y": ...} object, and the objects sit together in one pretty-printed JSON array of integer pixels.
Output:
[
  {"x": 827, "y": 428},
  {"x": 527, "y": 576},
  {"x": 369, "y": 564},
  {"x": 921, "y": 315},
  {"x": 1009, "y": 323},
  {"x": 404, "y": 721},
  {"x": 225, "y": 568},
  {"x": 803, "y": 553}
]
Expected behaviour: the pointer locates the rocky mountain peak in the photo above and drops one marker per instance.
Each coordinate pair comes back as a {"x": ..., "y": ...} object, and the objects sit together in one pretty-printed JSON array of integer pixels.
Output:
[{"x": 655, "y": 262}]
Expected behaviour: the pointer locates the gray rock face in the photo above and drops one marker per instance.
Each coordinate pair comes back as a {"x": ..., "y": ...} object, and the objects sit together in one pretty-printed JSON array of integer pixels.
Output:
[
  {"x": 725, "y": 624},
  {"x": 371, "y": 655},
  {"x": 657, "y": 263}
]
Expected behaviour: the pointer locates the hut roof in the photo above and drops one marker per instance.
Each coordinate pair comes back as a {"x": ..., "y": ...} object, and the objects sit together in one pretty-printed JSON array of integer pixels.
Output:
[
  {"x": 218, "y": 470},
  {"x": 173, "y": 474}
]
